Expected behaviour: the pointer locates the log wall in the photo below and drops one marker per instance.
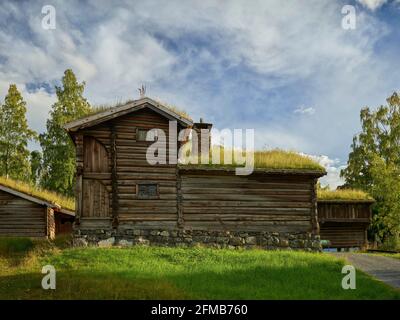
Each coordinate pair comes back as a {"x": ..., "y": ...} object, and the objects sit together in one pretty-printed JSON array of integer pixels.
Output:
[
  {"x": 259, "y": 202},
  {"x": 131, "y": 168},
  {"x": 344, "y": 223},
  {"x": 20, "y": 217}
]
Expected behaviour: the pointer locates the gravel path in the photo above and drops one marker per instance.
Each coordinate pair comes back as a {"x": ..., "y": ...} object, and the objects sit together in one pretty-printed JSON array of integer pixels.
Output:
[{"x": 383, "y": 268}]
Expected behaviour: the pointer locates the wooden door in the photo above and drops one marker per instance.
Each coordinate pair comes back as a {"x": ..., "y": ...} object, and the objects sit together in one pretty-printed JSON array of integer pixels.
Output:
[{"x": 96, "y": 198}]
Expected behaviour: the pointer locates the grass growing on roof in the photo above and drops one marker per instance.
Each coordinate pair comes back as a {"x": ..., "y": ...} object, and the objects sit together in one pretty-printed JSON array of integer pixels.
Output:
[
  {"x": 270, "y": 159},
  {"x": 343, "y": 194},
  {"x": 185, "y": 273},
  {"x": 101, "y": 108},
  {"x": 280, "y": 159},
  {"x": 175, "y": 109},
  {"x": 105, "y": 107},
  {"x": 45, "y": 195}
]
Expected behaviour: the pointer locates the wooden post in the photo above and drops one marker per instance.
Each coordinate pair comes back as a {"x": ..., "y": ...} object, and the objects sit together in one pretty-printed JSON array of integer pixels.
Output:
[
  {"x": 179, "y": 199},
  {"x": 114, "y": 177},
  {"x": 79, "y": 174},
  {"x": 314, "y": 208},
  {"x": 50, "y": 223}
]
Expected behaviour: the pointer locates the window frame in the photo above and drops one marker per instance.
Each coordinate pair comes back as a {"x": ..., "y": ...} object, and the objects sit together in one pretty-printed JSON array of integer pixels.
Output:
[
  {"x": 137, "y": 134},
  {"x": 149, "y": 197},
  {"x": 146, "y": 130}
]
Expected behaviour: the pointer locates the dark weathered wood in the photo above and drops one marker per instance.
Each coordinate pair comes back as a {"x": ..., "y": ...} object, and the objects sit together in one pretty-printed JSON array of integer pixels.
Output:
[
  {"x": 96, "y": 199},
  {"x": 63, "y": 223},
  {"x": 179, "y": 199},
  {"x": 344, "y": 223},
  {"x": 21, "y": 217},
  {"x": 314, "y": 208},
  {"x": 225, "y": 201},
  {"x": 79, "y": 177},
  {"x": 114, "y": 177},
  {"x": 95, "y": 155}
]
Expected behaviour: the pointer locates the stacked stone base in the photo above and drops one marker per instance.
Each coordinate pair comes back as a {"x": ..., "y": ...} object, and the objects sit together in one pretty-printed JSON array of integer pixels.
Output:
[{"x": 192, "y": 238}]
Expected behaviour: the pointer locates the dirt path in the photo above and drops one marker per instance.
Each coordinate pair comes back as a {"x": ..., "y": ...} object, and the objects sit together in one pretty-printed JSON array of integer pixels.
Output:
[{"x": 383, "y": 268}]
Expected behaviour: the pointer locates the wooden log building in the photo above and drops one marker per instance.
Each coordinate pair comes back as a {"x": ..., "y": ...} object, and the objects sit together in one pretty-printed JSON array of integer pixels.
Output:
[
  {"x": 123, "y": 198},
  {"x": 25, "y": 215},
  {"x": 344, "y": 223}
]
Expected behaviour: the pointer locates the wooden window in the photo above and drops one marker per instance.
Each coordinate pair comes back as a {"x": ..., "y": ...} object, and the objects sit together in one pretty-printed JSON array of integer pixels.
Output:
[
  {"x": 141, "y": 134},
  {"x": 147, "y": 191}
]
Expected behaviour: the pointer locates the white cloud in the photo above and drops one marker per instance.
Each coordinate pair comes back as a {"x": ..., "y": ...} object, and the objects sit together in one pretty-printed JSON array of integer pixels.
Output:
[
  {"x": 39, "y": 103},
  {"x": 372, "y": 4},
  {"x": 179, "y": 50},
  {"x": 124, "y": 62},
  {"x": 333, "y": 168},
  {"x": 304, "y": 110}
]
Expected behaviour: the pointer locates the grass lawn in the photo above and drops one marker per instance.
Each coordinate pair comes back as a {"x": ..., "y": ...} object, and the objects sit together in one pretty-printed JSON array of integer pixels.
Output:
[{"x": 172, "y": 273}]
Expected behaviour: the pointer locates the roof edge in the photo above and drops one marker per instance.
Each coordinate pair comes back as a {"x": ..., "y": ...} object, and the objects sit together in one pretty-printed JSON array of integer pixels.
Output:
[
  {"x": 311, "y": 172},
  {"x": 121, "y": 110},
  {"x": 346, "y": 200},
  {"x": 29, "y": 197},
  {"x": 66, "y": 211}
]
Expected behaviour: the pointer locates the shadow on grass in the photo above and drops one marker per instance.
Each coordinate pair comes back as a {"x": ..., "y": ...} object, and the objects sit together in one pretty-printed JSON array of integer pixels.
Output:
[
  {"x": 244, "y": 283},
  {"x": 85, "y": 286}
]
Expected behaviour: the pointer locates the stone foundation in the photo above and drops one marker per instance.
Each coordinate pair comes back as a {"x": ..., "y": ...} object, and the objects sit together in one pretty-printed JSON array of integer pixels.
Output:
[{"x": 190, "y": 238}]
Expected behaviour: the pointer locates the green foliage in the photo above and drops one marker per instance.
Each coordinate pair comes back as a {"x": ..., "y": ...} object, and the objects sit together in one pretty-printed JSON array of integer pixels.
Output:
[
  {"x": 391, "y": 244},
  {"x": 11, "y": 245},
  {"x": 186, "y": 273},
  {"x": 36, "y": 166},
  {"x": 374, "y": 164},
  {"x": 14, "y": 136},
  {"x": 58, "y": 149},
  {"x": 386, "y": 189},
  {"x": 63, "y": 241}
]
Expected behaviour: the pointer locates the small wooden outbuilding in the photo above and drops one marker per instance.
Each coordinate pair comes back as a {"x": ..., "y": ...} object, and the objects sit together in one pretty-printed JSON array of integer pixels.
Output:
[
  {"x": 24, "y": 215},
  {"x": 344, "y": 223}
]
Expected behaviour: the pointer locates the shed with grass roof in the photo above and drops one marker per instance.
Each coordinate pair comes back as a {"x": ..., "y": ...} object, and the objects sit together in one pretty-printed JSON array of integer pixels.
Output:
[
  {"x": 344, "y": 217},
  {"x": 122, "y": 198},
  {"x": 31, "y": 214}
]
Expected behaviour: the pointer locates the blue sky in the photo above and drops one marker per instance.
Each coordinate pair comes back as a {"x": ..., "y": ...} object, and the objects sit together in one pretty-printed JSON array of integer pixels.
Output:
[{"x": 285, "y": 68}]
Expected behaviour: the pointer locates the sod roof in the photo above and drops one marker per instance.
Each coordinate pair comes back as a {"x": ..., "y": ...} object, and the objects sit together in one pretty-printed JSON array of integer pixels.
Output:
[
  {"x": 344, "y": 195},
  {"x": 51, "y": 198}
]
